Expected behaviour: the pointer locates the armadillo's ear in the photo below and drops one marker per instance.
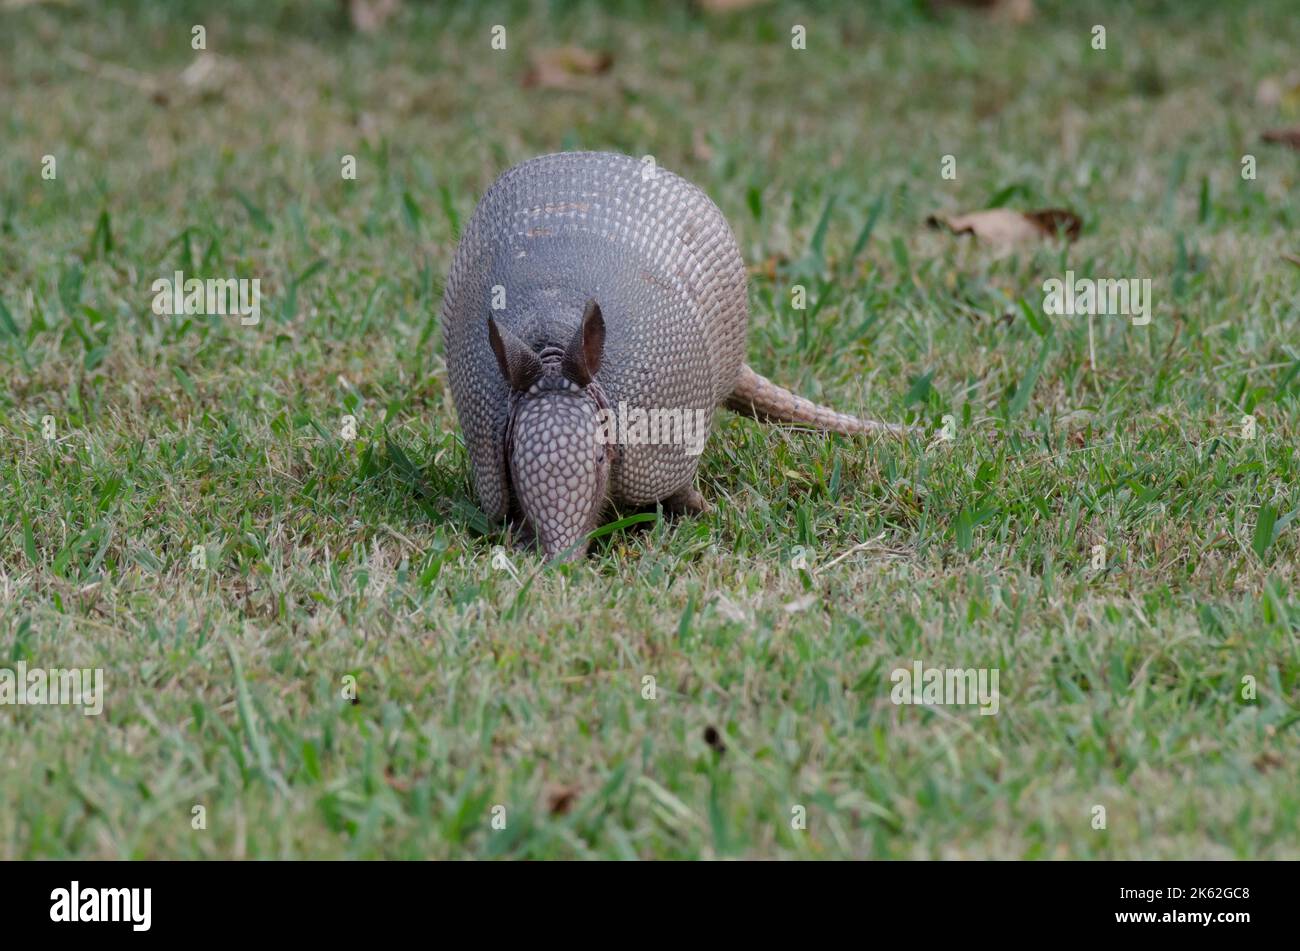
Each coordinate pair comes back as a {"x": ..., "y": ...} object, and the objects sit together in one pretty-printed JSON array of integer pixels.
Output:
[
  {"x": 582, "y": 359},
  {"x": 519, "y": 365}
]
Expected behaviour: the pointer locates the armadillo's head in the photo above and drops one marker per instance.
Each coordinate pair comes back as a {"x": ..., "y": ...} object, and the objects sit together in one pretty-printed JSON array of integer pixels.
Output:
[{"x": 557, "y": 452}]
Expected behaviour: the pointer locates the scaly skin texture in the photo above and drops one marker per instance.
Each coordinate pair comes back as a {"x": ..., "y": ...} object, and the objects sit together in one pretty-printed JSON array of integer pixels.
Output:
[
  {"x": 757, "y": 396},
  {"x": 588, "y": 281},
  {"x": 550, "y": 462}
]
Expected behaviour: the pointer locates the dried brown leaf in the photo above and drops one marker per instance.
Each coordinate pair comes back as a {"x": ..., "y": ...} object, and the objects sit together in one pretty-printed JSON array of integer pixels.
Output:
[
  {"x": 560, "y": 799},
  {"x": 1268, "y": 760},
  {"x": 1289, "y": 137},
  {"x": 1004, "y": 226},
  {"x": 565, "y": 67}
]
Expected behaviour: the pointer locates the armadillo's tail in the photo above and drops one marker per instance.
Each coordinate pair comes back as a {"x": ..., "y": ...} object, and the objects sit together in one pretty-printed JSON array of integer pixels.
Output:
[{"x": 759, "y": 397}]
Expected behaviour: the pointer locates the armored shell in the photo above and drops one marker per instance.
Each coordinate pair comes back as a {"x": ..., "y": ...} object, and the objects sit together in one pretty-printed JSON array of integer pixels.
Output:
[{"x": 658, "y": 257}]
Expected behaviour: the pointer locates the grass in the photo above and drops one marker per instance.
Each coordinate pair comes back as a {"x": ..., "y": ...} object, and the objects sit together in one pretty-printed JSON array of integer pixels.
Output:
[{"x": 476, "y": 687}]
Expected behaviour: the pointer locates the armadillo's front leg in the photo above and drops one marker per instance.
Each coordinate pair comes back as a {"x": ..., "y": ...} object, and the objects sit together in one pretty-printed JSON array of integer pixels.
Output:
[{"x": 685, "y": 501}]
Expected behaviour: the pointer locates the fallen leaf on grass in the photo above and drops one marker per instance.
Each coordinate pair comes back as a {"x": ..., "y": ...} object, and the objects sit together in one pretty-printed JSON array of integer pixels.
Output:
[
  {"x": 1004, "y": 226},
  {"x": 565, "y": 67},
  {"x": 1290, "y": 137},
  {"x": 1267, "y": 760},
  {"x": 560, "y": 799}
]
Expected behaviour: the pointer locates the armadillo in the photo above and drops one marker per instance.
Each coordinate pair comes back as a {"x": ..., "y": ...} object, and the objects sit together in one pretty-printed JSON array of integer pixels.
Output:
[{"x": 589, "y": 291}]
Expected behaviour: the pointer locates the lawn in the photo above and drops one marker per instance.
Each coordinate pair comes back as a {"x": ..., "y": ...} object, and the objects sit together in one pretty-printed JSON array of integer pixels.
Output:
[{"x": 309, "y": 646}]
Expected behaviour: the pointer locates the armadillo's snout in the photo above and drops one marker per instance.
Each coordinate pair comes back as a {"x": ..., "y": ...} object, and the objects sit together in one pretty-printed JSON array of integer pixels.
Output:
[
  {"x": 559, "y": 471},
  {"x": 557, "y": 441}
]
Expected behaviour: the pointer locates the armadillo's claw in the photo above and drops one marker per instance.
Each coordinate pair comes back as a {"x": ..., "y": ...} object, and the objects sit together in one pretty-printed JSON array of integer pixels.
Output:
[{"x": 685, "y": 501}]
